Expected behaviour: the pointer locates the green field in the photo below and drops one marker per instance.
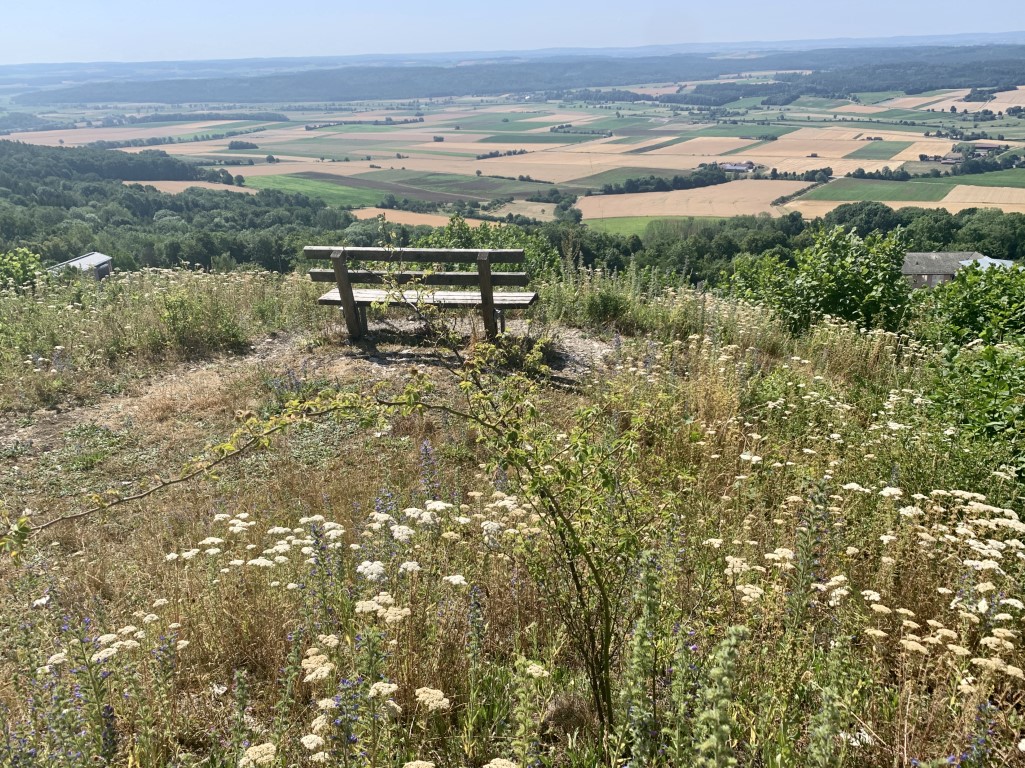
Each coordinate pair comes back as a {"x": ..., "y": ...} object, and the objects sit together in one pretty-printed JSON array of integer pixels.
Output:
[
  {"x": 237, "y": 125},
  {"x": 878, "y": 150},
  {"x": 482, "y": 187},
  {"x": 1011, "y": 178},
  {"x": 333, "y": 194},
  {"x": 812, "y": 102},
  {"x": 619, "y": 175},
  {"x": 748, "y": 102},
  {"x": 924, "y": 190},
  {"x": 635, "y": 225},
  {"x": 540, "y": 138},
  {"x": 874, "y": 97},
  {"x": 870, "y": 189},
  {"x": 359, "y": 128}
]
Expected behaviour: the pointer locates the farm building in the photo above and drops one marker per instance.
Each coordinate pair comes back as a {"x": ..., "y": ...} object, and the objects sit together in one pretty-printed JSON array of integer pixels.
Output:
[
  {"x": 98, "y": 264},
  {"x": 741, "y": 167},
  {"x": 926, "y": 270}
]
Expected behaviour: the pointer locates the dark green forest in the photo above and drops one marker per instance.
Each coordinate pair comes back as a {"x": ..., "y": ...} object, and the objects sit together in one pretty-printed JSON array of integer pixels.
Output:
[{"x": 63, "y": 202}]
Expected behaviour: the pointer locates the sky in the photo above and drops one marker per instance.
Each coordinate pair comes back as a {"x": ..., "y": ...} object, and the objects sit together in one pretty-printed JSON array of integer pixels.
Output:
[{"x": 140, "y": 30}]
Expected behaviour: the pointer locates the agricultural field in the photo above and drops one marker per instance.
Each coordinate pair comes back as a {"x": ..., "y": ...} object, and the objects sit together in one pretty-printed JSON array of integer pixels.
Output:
[
  {"x": 454, "y": 150},
  {"x": 879, "y": 150},
  {"x": 733, "y": 199},
  {"x": 1000, "y": 189}
]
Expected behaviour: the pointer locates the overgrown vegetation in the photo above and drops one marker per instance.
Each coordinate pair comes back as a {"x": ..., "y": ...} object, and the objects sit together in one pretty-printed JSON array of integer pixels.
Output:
[{"x": 781, "y": 529}]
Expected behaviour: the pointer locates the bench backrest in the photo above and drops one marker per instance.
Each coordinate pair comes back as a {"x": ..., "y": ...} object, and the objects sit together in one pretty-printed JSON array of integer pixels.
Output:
[{"x": 440, "y": 256}]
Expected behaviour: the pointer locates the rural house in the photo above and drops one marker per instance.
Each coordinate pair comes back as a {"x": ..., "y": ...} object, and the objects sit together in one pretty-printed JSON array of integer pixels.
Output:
[
  {"x": 926, "y": 270},
  {"x": 743, "y": 167},
  {"x": 98, "y": 264}
]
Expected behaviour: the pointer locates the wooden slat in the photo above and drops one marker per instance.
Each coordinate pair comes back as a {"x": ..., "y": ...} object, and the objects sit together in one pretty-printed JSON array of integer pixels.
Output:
[
  {"x": 443, "y": 299},
  {"x": 368, "y": 277},
  {"x": 418, "y": 255},
  {"x": 487, "y": 299},
  {"x": 345, "y": 298}
]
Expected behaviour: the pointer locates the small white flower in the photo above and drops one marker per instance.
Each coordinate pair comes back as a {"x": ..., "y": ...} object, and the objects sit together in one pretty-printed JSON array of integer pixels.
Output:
[
  {"x": 456, "y": 580},
  {"x": 382, "y": 690},
  {"x": 312, "y": 742}
]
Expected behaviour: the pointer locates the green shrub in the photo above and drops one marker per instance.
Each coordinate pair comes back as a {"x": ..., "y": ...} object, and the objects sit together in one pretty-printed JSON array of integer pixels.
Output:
[
  {"x": 987, "y": 304},
  {"x": 983, "y": 388},
  {"x": 19, "y": 266},
  {"x": 842, "y": 275}
]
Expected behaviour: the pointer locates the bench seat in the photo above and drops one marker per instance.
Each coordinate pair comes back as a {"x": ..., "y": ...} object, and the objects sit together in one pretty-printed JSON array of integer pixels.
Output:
[{"x": 364, "y": 297}]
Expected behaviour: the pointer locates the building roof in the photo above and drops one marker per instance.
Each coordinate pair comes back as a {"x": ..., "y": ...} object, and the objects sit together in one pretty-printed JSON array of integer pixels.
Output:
[
  {"x": 938, "y": 262},
  {"x": 987, "y": 263},
  {"x": 89, "y": 261}
]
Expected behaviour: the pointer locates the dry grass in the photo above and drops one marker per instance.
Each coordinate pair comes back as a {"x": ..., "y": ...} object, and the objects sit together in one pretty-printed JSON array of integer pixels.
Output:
[
  {"x": 730, "y": 430},
  {"x": 747, "y": 196}
]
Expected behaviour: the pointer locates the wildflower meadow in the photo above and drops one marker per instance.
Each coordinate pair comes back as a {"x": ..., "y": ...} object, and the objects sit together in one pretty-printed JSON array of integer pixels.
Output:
[{"x": 709, "y": 542}]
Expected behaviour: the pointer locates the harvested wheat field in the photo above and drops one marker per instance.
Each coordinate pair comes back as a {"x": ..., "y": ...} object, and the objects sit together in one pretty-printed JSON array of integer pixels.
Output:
[
  {"x": 956, "y": 99},
  {"x": 745, "y": 197},
  {"x": 801, "y": 164},
  {"x": 919, "y": 101},
  {"x": 1006, "y": 199},
  {"x": 824, "y": 148},
  {"x": 861, "y": 109},
  {"x": 986, "y": 196},
  {"x": 403, "y": 217},
  {"x": 708, "y": 146},
  {"x": 927, "y": 147},
  {"x": 610, "y": 147},
  {"x": 539, "y": 211},
  {"x": 1004, "y": 99},
  {"x": 77, "y": 137}
]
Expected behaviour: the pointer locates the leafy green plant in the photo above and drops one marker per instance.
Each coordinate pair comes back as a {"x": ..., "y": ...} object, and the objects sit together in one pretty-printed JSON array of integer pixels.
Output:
[
  {"x": 842, "y": 275},
  {"x": 19, "y": 266},
  {"x": 979, "y": 303}
]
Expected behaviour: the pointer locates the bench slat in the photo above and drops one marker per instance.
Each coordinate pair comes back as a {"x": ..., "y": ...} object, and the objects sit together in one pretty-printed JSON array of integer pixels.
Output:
[
  {"x": 442, "y": 299},
  {"x": 417, "y": 255},
  {"x": 367, "y": 277}
]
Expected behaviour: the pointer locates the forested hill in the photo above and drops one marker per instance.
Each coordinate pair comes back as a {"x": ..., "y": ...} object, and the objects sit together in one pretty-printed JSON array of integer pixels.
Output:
[
  {"x": 22, "y": 164},
  {"x": 63, "y": 202},
  {"x": 837, "y": 71}
]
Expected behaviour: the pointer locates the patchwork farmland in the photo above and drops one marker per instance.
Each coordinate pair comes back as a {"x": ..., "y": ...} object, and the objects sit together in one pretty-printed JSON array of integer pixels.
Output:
[{"x": 510, "y": 157}]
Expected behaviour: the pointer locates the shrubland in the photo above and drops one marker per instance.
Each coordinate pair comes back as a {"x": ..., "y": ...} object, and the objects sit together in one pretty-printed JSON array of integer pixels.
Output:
[{"x": 720, "y": 539}]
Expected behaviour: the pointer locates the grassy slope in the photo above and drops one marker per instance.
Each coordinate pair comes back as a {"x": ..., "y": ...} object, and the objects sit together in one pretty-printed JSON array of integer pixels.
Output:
[
  {"x": 334, "y": 194},
  {"x": 717, "y": 444},
  {"x": 762, "y": 456}
]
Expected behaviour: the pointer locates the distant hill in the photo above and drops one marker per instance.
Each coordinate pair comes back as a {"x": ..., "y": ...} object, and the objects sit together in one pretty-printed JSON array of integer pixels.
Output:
[{"x": 840, "y": 71}]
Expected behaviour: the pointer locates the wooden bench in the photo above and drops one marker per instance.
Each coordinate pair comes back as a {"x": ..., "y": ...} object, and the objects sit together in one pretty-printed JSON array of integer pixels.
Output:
[{"x": 354, "y": 301}]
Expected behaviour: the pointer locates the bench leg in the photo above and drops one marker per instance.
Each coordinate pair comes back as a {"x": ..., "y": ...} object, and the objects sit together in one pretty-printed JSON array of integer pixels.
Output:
[
  {"x": 501, "y": 319},
  {"x": 363, "y": 319}
]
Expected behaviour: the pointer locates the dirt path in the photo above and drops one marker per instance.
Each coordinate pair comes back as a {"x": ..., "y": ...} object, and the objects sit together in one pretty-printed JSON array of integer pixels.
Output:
[{"x": 184, "y": 403}]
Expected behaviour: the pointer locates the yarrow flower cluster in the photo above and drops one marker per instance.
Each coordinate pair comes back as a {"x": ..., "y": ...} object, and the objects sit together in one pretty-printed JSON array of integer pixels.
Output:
[{"x": 433, "y": 699}]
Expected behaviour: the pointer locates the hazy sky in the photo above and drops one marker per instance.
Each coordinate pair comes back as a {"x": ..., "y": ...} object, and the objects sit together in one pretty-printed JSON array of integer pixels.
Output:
[{"x": 142, "y": 30}]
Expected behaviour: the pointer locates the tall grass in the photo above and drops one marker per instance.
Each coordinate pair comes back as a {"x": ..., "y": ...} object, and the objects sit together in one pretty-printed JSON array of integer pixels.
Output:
[
  {"x": 797, "y": 563},
  {"x": 66, "y": 338}
]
